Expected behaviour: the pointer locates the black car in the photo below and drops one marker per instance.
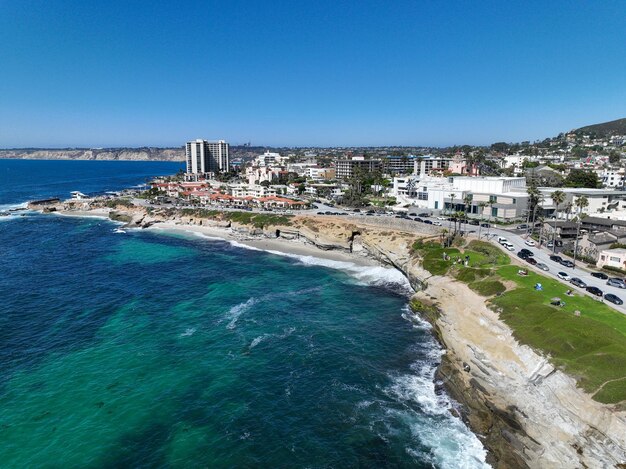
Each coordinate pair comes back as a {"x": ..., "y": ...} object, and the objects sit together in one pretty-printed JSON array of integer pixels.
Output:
[
  {"x": 424, "y": 215},
  {"x": 528, "y": 252},
  {"x": 485, "y": 225},
  {"x": 418, "y": 219},
  {"x": 474, "y": 222},
  {"x": 594, "y": 291},
  {"x": 522, "y": 227},
  {"x": 556, "y": 259},
  {"x": 531, "y": 260},
  {"x": 601, "y": 275},
  {"x": 578, "y": 282},
  {"x": 613, "y": 299},
  {"x": 567, "y": 263},
  {"x": 523, "y": 255},
  {"x": 428, "y": 222}
]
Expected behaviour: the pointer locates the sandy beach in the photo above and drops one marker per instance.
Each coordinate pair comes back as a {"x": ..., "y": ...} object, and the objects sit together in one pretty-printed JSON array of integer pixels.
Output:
[{"x": 278, "y": 245}]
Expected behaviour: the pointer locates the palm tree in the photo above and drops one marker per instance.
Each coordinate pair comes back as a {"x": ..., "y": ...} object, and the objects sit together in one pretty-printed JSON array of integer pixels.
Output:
[
  {"x": 558, "y": 197},
  {"x": 568, "y": 210},
  {"x": 482, "y": 206},
  {"x": 452, "y": 197},
  {"x": 582, "y": 202},
  {"x": 581, "y": 216},
  {"x": 541, "y": 220},
  {"x": 490, "y": 205},
  {"x": 533, "y": 194},
  {"x": 467, "y": 201}
]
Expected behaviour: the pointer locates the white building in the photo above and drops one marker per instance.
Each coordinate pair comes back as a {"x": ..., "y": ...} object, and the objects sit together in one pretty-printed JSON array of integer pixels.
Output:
[
  {"x": 204, "y": 157},
  {"x": 270, "y": 159},
  {"x": 611, "y": 177},
  {"x": 601, "y": 202},
  {"x": 612, "y": 258},
  {"x": 488, "y": 197}
]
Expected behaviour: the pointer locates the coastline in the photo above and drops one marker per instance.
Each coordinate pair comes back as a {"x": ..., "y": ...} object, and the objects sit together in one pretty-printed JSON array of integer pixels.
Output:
[{"x": 527, "y": 413}]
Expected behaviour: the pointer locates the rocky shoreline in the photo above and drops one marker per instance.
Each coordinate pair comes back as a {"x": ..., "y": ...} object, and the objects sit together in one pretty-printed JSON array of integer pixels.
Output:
[{"x": 527, "y": 413}]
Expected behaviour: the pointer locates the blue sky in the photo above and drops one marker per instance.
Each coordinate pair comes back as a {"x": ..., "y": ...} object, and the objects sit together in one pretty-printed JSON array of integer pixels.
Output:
[{"x": 132, "y": 73}]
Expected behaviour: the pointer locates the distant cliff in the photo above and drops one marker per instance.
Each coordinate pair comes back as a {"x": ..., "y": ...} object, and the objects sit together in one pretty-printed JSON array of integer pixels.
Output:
[{"x": 120, "y": 154}]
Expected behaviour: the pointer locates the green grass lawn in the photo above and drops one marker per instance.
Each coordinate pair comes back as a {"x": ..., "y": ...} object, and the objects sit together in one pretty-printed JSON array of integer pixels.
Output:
[{"x": 590, "y": 347}]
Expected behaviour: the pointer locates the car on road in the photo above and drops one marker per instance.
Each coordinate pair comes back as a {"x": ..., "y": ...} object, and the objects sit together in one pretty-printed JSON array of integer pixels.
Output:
[
  {"x": 436, "y": 222},
  {"x": 485, "y": 225},
  {"x": 613, "y": 299},
  {"x": 418, "y": 219},
  {"x": 527, "y": 251},
  {"x": 578, "y": 282},
  {"x": 502, "y": 240},
  {"x": 423, "y": 215},
  {"x": 594, "y": 291},
  {"x": 474, "y": 222},
  {"x": 522, "y": 255},
  {"x": 542, "y": 266},
  {"x": 556, "y": 259},
  {"x": 563, "y": 276},
  {"x": 508, "y": 246},
  {"x": 550, "y": 244},
  {"x": 616, "y": 282},
  {"x": 531, "y": 260},
  {"x": 522, "y": 227},
  {"x": 428, "y": 222},
  {"x": 566, "y": 263},
  {"x": 442, "y": 218},
  {"x": 601, "y": 275},
  {"x": 529, "y": 242}
]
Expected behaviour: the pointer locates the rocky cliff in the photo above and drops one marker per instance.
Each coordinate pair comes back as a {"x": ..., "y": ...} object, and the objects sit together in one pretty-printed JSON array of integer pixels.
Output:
[{"x": 120, "y": 154}]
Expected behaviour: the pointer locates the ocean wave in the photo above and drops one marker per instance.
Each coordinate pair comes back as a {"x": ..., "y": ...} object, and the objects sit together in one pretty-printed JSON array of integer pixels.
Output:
[
  {"x": 188, "y": 332},
  {"x": 450, "y": 444}
]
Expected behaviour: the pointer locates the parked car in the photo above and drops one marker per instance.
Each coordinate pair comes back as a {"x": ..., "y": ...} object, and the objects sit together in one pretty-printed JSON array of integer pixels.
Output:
[
  {"x": 424, "y": 215},
  {"x": 542, "y": 266},
  {"x": 474, "y": 222},
  {"x": 418, "y": 219},
  {"x": 556, "y": 259},
  {"x": 508, "y": 246},
  {"x": 601, "y": 275},
  {"x": 436, "y": 222},
  {"x": 531, "y": 260},
  {"x": 566, "y": 263},
  {"x": 529, "y": 242},
  {"x": 502, "y": 240},
  {"x": 550, "y": 244},
  {"x": 527, "y": 251},
  {"x": 578, "y": 282},
  {"x": 616, "y": 282},
  {"x": 563, "y": 276},
  {"x": 522, "y": 226},
  {"x": 522, "y": 255},
  {"x": 594, "y": 291},
  {"x": 613, "y": 299},
  {"x": 485, "y": 225},
  {"x": 428, "y": 222}
]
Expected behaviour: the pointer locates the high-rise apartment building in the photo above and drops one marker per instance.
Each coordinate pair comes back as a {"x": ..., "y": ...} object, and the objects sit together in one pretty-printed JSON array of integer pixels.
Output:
[{"x": 205, "y": 156}]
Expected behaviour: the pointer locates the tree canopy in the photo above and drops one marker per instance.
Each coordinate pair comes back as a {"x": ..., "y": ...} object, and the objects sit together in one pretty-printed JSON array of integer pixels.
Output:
[{"x": 582, "y": 178}]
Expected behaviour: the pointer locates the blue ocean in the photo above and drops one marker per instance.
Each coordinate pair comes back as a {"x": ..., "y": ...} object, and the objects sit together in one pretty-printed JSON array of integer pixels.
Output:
[{"x": 160, "y": 349}]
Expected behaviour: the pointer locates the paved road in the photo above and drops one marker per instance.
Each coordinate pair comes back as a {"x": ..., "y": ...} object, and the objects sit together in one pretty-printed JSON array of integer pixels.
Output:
[{"x": 543, "y": 255}]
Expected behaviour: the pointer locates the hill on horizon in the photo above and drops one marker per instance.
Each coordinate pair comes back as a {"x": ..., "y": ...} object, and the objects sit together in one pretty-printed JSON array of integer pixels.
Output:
[{"x": 616, "y": 127}]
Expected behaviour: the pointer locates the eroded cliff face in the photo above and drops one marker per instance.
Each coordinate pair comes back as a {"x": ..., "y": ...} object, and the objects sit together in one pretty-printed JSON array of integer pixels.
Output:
[
  {"x": 527, "y": 413},
  {"x": 121, "y": 154}
]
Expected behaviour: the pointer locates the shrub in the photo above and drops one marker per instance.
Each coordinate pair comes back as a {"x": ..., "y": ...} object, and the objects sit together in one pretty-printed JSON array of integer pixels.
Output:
[{"x": 614, "y": 269}]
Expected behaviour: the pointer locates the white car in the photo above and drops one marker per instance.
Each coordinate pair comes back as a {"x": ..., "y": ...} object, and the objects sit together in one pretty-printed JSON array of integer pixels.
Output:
[
  {"x": 437, "y": 223},
  {"x": 564, "y": 276},
  {"x": 508, "y": 246},
  {"x": 529, "y": 242},
  {"x": 441, "y": 218},
  {"x": 502, "y": 240}
]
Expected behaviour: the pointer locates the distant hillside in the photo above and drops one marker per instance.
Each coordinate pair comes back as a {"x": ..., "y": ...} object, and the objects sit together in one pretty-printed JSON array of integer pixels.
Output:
[
  {"x": 617, "y": 127},
  {"x": 119, "y": 154}
]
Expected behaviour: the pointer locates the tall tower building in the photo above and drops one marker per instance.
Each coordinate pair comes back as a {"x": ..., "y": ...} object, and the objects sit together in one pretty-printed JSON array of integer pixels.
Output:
[{"x": 204, "y": 156}]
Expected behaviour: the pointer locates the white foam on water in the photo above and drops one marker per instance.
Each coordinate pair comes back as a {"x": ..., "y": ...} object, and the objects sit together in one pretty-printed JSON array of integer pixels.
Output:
[
  {"x": 188, "y": 332},
  {"x": 450, "y": 443},
  {"x": 7, "y": 207},
  {"x": 236, "y": 311}
]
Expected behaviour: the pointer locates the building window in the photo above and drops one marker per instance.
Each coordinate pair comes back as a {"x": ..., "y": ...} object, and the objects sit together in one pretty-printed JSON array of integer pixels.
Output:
[
  {"x": 614, "y": 259},
  {"x": 436, "y": 204},
  {"x": 494, "y": 211},
  {"x": 493, "y": 199}
]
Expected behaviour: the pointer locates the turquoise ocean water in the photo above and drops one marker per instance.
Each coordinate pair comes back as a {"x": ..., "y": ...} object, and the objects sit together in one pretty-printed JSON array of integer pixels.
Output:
[{"x": 156, "y": 349}]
